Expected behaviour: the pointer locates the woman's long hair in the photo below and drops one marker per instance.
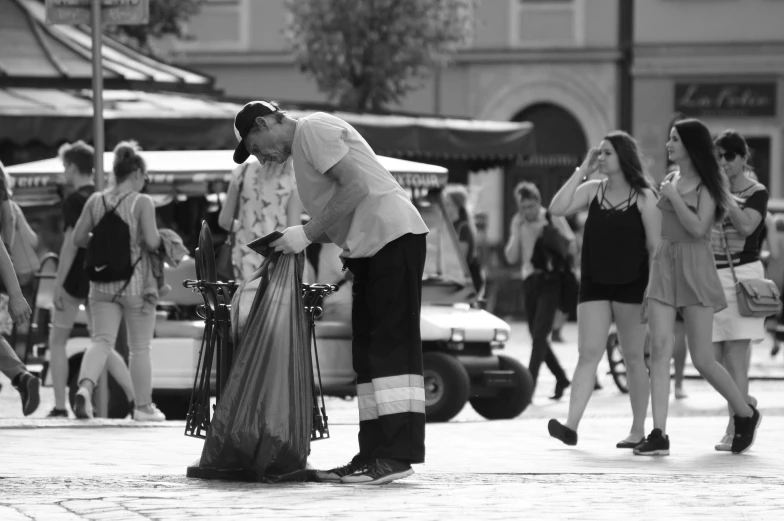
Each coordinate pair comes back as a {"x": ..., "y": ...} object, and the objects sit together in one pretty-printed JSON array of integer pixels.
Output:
[
  {"x": 629, "y": 160},
  {"x": 697, "y": 140}
]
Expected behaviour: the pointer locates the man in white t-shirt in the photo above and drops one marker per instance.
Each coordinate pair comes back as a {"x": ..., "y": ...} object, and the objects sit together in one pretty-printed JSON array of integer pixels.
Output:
[{"x": 356, "y": 203}]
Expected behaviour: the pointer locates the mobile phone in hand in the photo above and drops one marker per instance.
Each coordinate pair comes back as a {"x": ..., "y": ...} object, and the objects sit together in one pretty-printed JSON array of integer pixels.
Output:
[{"x": 262, "y": 244}]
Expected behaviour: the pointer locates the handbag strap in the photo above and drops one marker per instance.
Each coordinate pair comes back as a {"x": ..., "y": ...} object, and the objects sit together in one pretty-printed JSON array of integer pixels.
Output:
[
  {"x": 727, "y": 252},
  {"x": 233, "y": 233}
]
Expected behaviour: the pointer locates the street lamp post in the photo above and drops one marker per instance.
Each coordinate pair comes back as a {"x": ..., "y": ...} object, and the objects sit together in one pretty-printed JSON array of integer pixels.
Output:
[{"x": 98, "y": 136}]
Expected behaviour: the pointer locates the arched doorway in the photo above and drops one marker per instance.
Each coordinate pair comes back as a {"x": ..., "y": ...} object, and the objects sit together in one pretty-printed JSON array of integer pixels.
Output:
[{"x": 560, "y": 147}]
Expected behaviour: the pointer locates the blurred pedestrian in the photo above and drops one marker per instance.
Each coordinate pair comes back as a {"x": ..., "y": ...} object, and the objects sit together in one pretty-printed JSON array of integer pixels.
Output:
[
  {"x": 542, "y": 267},
  {"x": 684, "y": 278},
  {"x": 13, "y": 309},
  {"x": 739, "y": 236},
  {"x": 71, "y": 284},
  {"x": 621, "y": 234},
  {"x": 120, "y": 211},
  {"x": 462, "y": 218},
  {"x": 261, "y": 198}
]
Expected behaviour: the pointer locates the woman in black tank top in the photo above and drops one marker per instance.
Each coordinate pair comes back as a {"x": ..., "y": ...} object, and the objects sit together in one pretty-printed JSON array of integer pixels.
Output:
[{"x": 621, "y": 234}]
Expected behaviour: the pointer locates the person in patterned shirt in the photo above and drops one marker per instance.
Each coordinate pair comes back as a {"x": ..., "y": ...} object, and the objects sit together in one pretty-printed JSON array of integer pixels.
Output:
[{"x": 268, "y": 201}]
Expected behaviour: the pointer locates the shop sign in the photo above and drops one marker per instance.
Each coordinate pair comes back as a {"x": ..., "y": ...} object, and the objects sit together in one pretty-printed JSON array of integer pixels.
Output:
[
  {"x": 418, "y": 180},
  {"x": 113, "y": 12},
  {"x": 728, "y": 100},
  {"x": 549, "y": 160}
]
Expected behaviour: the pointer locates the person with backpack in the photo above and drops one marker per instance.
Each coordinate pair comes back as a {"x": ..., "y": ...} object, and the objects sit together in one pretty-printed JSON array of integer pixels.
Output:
[
  {"x": 72, "y": 284},
  {"x": 118, "y": 229},
  {"x": 542, "y": 244}
]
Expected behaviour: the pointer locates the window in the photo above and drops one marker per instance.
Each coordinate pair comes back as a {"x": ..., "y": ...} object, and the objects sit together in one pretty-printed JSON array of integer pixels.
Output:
[
  {"x": 541, "y": 23},
  {"x": 220, "y": 25}
]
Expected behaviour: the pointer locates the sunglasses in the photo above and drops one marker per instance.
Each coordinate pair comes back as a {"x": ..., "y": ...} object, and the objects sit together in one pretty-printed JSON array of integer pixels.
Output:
[{"x": 728, "y": 156}]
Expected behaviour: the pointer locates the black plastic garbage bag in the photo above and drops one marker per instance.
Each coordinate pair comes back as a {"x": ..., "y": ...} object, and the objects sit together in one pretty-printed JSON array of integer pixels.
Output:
[{"x": 262, "y": 423}]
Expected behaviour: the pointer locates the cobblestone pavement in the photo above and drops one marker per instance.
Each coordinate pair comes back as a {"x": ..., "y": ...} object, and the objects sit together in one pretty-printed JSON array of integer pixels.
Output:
[
  {"x": 484, "y": 470},
  {"x": 119, "y": 469}
]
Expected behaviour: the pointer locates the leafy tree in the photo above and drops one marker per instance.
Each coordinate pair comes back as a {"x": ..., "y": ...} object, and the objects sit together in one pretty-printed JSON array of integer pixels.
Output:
[
  {"x": 168, "y": 18},
  {"x": 369, "y": 53}
]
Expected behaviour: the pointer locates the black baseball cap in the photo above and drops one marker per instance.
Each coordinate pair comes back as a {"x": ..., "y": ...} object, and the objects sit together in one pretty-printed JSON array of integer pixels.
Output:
[{"x": 243, "y": 122}]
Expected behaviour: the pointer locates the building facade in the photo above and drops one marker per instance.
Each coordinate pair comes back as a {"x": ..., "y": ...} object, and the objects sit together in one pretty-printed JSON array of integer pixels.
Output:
[
  {"x": 553, "y": 63},
  {"x": 720, "y": 61}
]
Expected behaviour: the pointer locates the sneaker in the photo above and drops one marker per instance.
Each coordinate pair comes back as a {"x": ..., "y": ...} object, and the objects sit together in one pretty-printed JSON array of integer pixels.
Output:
[
  {"x": 156, "y": 415},
  {"x": 725, "y": 445},
  {"x": 29, "y": 387},
  {"x": 57, "y": 413},
  {"x": 83, "y": 404},
  {"x": 655, "y": 445},
  {"x": 746, "y": 431},
  {"x": 379, "y": 472},
  {"x": 562, "y": 432},
  {"x": 335, "y": 475}
]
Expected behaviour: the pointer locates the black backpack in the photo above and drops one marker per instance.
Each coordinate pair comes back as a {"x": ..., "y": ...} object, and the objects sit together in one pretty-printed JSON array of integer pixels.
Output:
[{"x": 108, "y": 257}]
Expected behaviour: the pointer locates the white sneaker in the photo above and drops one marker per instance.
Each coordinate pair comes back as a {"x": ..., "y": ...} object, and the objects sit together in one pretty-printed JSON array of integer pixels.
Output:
[
  {"x": 725, "y": 445},
  {"x": 83, "y": 404},
  {"x": 143, "y": 416}
]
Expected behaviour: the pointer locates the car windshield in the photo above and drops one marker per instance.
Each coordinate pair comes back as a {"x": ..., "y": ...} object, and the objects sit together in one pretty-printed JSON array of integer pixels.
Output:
[{"x": 443, "y": 263}]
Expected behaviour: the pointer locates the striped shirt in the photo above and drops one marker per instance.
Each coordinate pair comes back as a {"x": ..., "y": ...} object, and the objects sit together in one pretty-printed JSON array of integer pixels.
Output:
[
  {"x": 97, "y": 210},
  {"x": 743, "y": 250}
]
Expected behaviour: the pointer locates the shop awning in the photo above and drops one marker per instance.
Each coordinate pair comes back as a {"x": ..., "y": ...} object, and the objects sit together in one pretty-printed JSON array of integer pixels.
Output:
[
  {"x": 158, "y": 120},
  {"x": 173, "y": 121},
  {"x": 186, "y": 173},
  {"x": 34, "y": 54},
  {"x": 46, "y": 100}
]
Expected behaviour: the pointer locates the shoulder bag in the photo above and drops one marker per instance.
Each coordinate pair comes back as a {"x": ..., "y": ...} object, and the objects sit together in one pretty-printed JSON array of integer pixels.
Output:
[{"x": 756, "y": 297}]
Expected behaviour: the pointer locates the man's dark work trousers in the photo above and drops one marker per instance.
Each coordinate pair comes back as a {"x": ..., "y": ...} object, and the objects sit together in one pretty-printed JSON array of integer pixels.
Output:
[
  {"x": 542, "y": 293},
  {"x": 387, "y": 350}
]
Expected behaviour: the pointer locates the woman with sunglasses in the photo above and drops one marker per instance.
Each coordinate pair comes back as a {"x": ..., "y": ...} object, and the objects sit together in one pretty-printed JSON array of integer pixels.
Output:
[
  {"x": 740, "y": 233},
  {"x": 684, "y": 278},
  {"x": 111, "y": 302}
]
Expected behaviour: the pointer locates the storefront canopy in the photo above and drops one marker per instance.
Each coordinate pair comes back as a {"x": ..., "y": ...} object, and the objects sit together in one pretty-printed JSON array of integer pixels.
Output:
[
  {"x": 46, "y": 100},
  {"x": 164, "y": 120},
  {"x": 34, "y": 54},
  {"x": 174, "y": 173}
]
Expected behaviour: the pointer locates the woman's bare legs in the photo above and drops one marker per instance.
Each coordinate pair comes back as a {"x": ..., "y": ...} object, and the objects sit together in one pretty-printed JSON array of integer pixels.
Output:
[
  {"x": 679, "y": 358},
  {"x": 631, "y": 334},
  {"x": 593, "y": 326},
  {"x": 661, "y": 322},
  {"x": 699, "y": 331},
  {"x": 734, "y": 356}
]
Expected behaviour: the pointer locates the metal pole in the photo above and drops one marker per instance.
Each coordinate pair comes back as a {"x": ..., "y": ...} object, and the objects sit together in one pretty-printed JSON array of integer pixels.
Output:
[
  {"x": 101, "y": 392},
  {"x": 98, "y": 137},
  {"x": 625, "y": 63}
]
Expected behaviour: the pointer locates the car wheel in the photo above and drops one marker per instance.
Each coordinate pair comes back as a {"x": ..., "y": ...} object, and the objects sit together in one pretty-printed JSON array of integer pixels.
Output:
[
  {"x": 510, "y": 402},
  {"x": 447, "y": 386},
  {"x": 617, "y": 364}
]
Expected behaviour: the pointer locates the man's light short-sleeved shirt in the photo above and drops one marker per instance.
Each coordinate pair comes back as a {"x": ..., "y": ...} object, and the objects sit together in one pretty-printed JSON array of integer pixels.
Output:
[{"x": 385, "y": 214}]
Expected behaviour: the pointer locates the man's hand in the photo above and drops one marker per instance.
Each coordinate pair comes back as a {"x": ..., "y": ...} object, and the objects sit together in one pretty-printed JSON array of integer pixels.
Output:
[
  {"x": 18, "y": 309},
  {"x": 294, "y": 240}
]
